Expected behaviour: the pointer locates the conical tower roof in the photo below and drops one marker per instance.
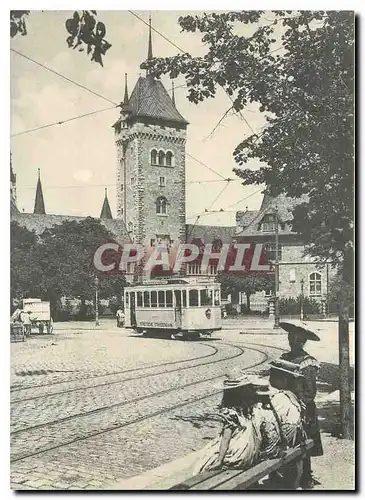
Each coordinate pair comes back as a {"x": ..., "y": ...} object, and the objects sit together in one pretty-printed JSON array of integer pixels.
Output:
[
  {"x": 39, "y": 201},
  {"x": 106, "y": 213}
]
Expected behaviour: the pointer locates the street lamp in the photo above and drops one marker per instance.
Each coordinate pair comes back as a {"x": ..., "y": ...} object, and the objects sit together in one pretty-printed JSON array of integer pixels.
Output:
[
  {"x": 301, "y": 299},
  {"x": 96, "y": 301}
]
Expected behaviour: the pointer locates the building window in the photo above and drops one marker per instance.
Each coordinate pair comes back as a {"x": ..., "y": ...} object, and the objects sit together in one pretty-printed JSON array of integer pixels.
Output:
[
  {"x": 315, "y": 284},
  {"x": 271, "y": 252},
  {"x": 282, "y": 226},
  {"x": 133, "y": 181},
  {"x": 153, "y": 157},
  {"x": 269, "y": 293},
  {"x": 161, "y": 158},
  {"x": 268, "y": 223},
  {"x": 122, "y": 211},
  {"x": 130, "y": 227},
  {"x": 168, "y": 159},
  {"x": 122, "y": 187},
  {"x": 161, "y": 206},
  {"x": 162, "y": 182}
]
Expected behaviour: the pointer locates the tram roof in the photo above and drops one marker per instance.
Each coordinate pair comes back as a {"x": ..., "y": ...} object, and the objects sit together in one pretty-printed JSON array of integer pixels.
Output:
[{"x": 175, "y": 281}]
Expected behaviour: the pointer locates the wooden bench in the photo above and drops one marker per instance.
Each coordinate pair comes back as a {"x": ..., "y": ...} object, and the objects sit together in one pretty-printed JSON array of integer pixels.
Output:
[{"x": 234, "y": 479}]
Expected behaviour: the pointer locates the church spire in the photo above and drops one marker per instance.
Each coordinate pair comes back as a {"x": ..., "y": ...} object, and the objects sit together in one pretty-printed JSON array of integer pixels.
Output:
[
  {"x": 173, "y": 93},
  {"x": 126, "y": 98},
  {"x": 106, "y": 213},
  {"x": 39, "y": 201},
  {"x": 149, "y": 54}
]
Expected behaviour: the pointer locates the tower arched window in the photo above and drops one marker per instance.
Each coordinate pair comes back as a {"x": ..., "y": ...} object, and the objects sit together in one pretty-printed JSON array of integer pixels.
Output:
[
  {"x": 161, "y": 158},
  {"x": 153, "y": 157},
  {"x": 168, "y": 159},
  {"x": 315, "y": 284},
  {"x": 130, "y": 227},
  {"x": 161, "y": 205}
]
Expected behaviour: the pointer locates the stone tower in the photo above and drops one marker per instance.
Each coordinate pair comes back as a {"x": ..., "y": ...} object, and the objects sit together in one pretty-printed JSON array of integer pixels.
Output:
[{"x": 150, "y": 136}]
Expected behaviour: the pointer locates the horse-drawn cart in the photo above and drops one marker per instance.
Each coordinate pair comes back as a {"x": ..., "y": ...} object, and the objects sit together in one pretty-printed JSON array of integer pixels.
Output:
[{"x": 39, "y": 313}]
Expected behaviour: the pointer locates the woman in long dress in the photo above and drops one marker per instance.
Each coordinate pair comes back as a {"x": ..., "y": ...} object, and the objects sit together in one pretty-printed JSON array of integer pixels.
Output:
[
  {"x": 238, "y": 445},
  {"x": 305, "y": 388}
]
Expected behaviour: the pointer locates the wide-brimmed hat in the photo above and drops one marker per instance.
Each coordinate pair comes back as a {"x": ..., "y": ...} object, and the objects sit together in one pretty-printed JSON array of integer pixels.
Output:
[
  {"x": 300, "y": 328},
  {"x": 261, "y": 386},
  {"x": 234, "y": 379}
]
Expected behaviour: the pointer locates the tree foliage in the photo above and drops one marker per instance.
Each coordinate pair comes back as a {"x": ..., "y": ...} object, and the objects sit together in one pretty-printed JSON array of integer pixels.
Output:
[
  {"x": 59, "y": 262},
  {"x": 24, "y": 265},
  {"x": 85, "y": 32},
  {"x": 299, "y": 66},
  {"x": 248, "y": 284}
]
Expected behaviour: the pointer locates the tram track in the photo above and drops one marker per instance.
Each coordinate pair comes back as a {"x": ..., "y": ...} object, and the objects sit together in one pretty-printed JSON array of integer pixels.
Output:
[
  {"x": 138, "y": 418},
  {"x": 79, "y": 379},
  {"x": 116, "y": 405}
]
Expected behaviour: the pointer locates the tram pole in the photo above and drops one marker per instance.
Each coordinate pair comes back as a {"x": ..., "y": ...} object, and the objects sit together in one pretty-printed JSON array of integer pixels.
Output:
[
  {"x": 96, "y": 301},
  {"x": 276, "y": 294}
]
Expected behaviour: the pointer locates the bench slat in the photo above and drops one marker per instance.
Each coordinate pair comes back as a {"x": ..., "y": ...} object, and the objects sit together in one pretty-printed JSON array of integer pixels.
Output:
[
  {"x": 252, "y": 476},
  {"x": 192, "y": 481},
  {"x": 237, "y": 479}
]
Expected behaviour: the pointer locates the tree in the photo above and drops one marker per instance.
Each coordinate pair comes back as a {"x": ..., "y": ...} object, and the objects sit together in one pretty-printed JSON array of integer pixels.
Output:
[
  {"x": 83, "y": 29},
  {"x": 305, "y": 87},
  {"x": 65, "y": 254},
  {"x": 249, "y": 284},
  {"x": 24, "y": 265}
]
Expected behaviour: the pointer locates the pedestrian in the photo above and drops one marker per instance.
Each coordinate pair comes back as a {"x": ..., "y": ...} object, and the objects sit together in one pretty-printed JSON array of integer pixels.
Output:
[
  {"x": 25, "y": 319},
  {"x": 238, "y": 444},
  {"x": 120, "y": 318},
  {"x": 305, "y": 388}
]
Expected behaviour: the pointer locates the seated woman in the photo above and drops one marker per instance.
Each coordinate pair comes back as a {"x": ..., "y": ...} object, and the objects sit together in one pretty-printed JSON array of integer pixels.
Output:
[{"x": 238, "y": 444}]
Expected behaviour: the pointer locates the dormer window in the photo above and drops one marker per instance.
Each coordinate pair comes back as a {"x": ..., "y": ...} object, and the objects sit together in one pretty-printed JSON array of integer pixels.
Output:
[{"x": 267, "y": 224}]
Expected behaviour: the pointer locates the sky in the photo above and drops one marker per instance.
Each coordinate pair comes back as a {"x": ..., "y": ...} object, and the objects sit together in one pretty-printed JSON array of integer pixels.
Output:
[{"x": 77, "y": 160}]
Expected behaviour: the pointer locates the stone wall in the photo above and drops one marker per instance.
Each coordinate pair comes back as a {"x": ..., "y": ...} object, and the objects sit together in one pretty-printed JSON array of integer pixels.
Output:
[{"x": 139, "y": 197}]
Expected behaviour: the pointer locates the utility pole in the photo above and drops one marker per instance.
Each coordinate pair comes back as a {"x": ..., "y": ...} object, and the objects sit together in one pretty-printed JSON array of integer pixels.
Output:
[
  {"x": 301, "y": 299},
  {"x": 276, "y": 295},
  {"x": 96, "y": 301}
]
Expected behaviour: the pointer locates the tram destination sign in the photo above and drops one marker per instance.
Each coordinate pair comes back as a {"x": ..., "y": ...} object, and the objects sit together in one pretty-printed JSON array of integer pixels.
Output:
[{"x": 234, "y": 258}]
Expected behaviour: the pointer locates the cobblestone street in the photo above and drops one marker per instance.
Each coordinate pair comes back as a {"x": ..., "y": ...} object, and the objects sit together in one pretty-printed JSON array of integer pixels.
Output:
[{"x": 90, "y": 407}]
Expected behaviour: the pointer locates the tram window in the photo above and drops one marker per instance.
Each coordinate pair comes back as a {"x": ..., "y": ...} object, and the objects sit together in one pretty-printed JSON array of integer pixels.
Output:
[
  {"x": 154, "y": 299},
  {"x": 161, "y": 298},
  {"x": 216, "y": 298},
  {"x": 178, "y": 298},
  {"x": 126, "y": 298},
  {"x": 139, "y": 299},
  {"x": 168, "y": 298},
  {"x": 206, "y": 297},
  {"x": 193, "y": 298},
  {"x": 184, "y": 298},
  {"x": 146, "y": 296}
]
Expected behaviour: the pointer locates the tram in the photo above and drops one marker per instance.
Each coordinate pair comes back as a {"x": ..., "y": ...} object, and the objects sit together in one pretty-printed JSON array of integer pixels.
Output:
[{"x": 177, "y": 308}]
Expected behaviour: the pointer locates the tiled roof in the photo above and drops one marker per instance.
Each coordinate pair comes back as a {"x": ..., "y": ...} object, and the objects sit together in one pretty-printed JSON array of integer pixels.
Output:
[
  {"x": 210, "y": 233},
  {"x": 243, "y": 219},
  {"x": 150, "y": 99},
  {"x": 285, "y": 206},
  {"x": 40, "y": 222}
]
